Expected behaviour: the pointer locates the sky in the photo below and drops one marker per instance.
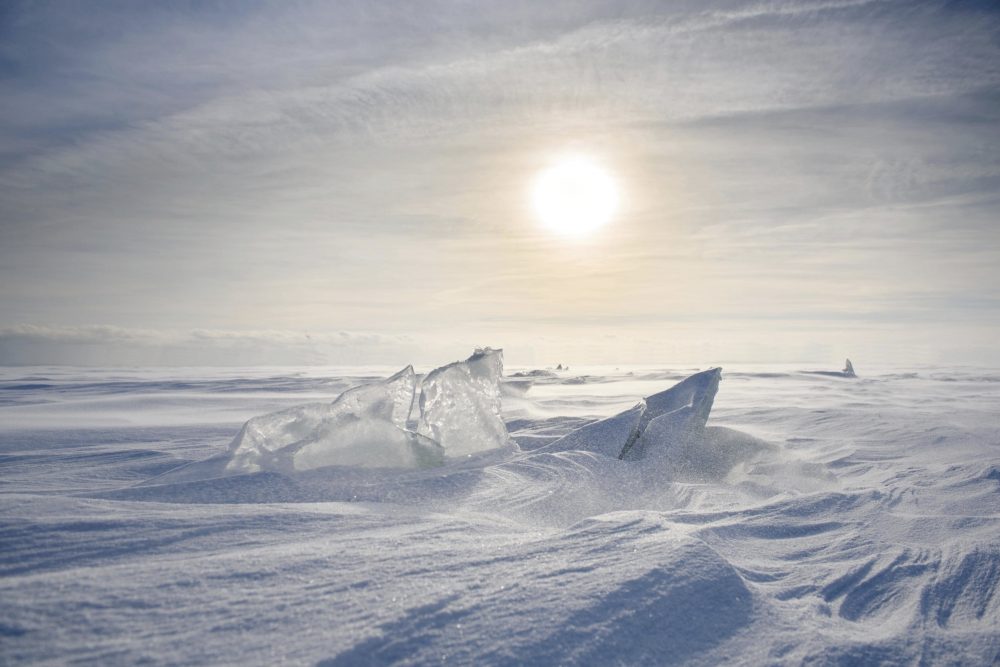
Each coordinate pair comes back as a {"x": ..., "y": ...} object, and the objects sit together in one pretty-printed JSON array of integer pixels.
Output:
[{"x": 220, "y": 183}]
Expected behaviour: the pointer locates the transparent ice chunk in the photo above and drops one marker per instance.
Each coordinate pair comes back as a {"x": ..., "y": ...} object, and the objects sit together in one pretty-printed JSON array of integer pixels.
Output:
[
  {"x": 367, "y": 443},
  {"x": 364, "y": 426},
  {"x": 391, "y": 423},
  {"x": 261, "y": 442},
  {"x": 459, "y": 405}
]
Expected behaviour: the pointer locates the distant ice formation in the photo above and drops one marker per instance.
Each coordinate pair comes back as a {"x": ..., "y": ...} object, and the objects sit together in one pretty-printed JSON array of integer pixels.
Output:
[
  {"x": 671, "y": 419},
  {"x": 537, "y": 373},
  {"x": 848, "y": 371},
  {"x": 400, "y": 422}
]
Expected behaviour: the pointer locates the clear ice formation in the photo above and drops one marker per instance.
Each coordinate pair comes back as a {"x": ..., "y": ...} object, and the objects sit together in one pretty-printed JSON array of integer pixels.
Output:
[
  {"x": 454, "y": 411},
  {"x": 399, "y": 422},
  {"x": 670, "y": 420},
  {"x": 848, "y": 371},
  {"x": 459, "y": 404}
]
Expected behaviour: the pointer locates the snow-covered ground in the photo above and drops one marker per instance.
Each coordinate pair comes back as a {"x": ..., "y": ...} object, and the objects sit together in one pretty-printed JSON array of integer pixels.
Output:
[{"x": 837, "y": 521}]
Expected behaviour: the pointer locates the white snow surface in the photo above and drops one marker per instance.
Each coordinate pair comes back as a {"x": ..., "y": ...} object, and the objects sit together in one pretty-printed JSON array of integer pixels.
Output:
[{"x": 820, "y": 519}]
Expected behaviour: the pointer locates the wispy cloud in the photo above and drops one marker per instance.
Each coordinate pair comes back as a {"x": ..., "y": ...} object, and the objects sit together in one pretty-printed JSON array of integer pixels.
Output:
[{"x": 324, "y": 167}]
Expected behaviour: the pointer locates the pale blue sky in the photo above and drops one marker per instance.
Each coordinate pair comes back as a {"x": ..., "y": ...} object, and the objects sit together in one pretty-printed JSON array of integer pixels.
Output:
[{"x": 310, "y": 182}]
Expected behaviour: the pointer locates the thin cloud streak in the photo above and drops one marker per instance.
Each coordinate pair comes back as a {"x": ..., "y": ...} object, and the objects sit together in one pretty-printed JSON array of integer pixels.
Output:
[{"x": 364, "y": 167}]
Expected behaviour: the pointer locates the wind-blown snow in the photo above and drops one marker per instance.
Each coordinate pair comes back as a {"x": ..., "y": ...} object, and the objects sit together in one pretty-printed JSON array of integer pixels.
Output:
[{"x": 813, "y": 519}]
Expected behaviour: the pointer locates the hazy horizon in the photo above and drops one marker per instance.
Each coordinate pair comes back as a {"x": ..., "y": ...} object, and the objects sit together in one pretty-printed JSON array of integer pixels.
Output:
[{"x": 349, "y": 183}]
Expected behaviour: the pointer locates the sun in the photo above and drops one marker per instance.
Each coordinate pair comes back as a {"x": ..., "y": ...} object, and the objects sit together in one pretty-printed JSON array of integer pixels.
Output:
[{"x": 574, "y": 196}]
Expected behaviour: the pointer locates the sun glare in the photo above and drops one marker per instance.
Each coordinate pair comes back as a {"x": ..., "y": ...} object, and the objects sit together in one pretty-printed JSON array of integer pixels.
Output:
[{"x": 575, "y": 196}]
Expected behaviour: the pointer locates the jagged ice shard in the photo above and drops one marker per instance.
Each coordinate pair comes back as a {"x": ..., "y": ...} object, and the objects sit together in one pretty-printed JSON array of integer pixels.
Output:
[
  {"x": 454, "y": 411},
  {"x": 395, "y": 423},
  {"x": 658, "y": 426},
  {"x": 459, "y": 404},
  {"x": 365, "y": 426}
]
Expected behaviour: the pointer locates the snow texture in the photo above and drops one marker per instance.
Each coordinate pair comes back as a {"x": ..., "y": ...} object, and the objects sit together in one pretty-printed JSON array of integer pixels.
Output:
[{"x": 815, "y": 519}]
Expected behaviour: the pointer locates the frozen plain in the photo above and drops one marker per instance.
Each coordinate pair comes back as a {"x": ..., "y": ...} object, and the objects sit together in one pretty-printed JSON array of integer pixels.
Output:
[{"x": 868, "y": 532}]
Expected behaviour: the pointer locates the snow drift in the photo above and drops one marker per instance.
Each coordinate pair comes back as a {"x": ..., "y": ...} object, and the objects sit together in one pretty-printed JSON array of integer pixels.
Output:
[{"x": 863, "y": 529}]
